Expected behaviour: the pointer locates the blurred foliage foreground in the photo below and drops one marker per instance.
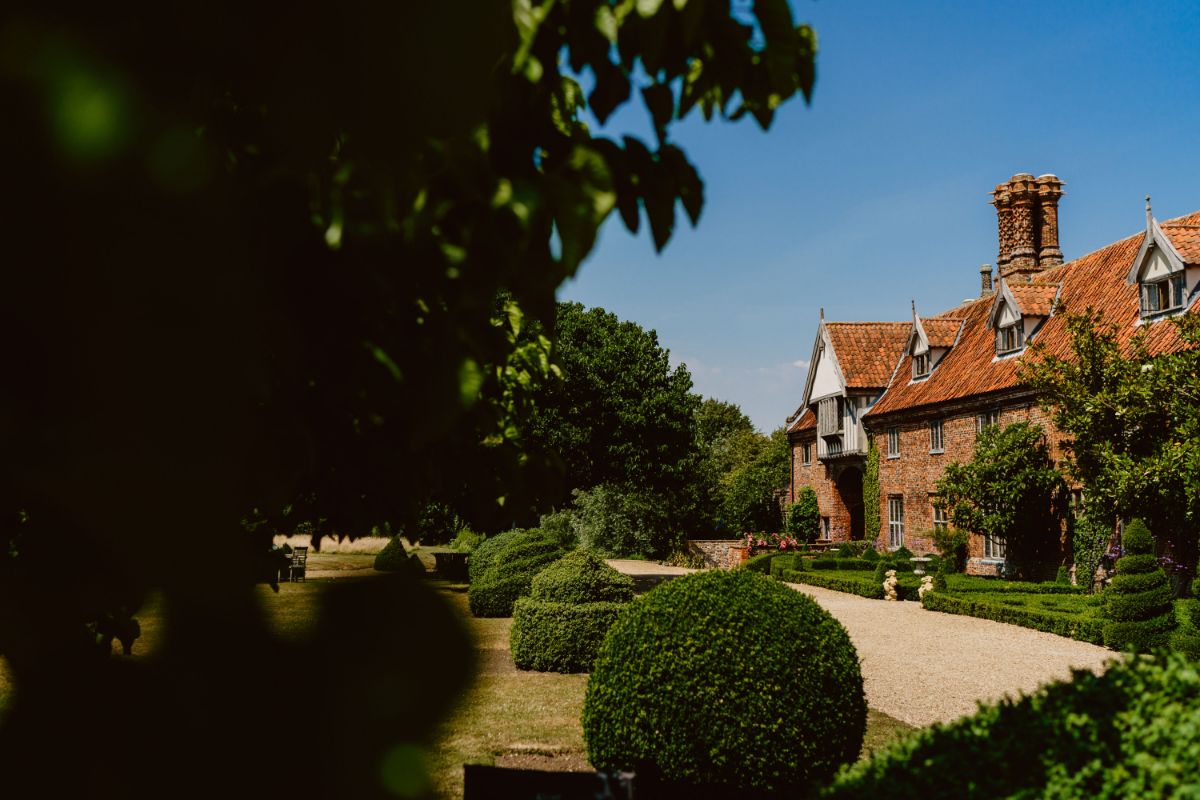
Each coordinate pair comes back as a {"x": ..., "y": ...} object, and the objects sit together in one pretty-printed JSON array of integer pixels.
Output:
[{"x": 255, "y": 259}]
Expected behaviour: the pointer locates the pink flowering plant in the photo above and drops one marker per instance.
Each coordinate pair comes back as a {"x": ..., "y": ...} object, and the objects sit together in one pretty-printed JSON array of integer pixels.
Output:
[{"x": 762, "y": 542}]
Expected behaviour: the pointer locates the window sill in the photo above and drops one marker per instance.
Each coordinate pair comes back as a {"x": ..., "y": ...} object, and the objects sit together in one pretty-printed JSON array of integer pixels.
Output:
[
  {"x": 893, "y": 457},
  {"x": 936, "y": 452}
]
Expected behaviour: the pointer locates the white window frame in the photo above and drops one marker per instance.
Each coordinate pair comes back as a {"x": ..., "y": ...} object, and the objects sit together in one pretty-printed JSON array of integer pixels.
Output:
[
  {"x": 920, "y": 365},
  {"x": 937, "y": 436},
  {"x": 1164, "y": 295},
  {"x": 986, "y": 419},
  {"x": 895, "y": 521},
  {"x": 993, "y": 548},
  {"x": 825, "y": 532},
  {"x": 941, "y": 519},
  {"x": 1010, "y": 338},
  {"x": 893, "y": 441},
  {"x": 806, "y": 454}
]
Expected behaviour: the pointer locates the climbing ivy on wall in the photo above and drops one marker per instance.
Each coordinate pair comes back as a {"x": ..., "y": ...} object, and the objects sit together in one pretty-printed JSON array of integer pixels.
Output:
[{"x": 870, "y": 492}]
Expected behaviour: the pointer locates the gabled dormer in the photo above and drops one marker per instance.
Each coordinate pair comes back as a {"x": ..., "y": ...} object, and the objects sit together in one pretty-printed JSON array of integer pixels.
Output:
[
  {"x": 929, "y": 342},
  {"x": 1018, "y": 312},
  {"x": 1164, "y": 276}
]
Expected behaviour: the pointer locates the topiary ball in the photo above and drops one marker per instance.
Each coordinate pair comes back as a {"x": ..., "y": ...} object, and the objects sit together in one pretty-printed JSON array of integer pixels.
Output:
[
  {"x": 511, "y": 573},
  {"x": 1137, "y": 539},
  {"x": 726, "y": 679}
]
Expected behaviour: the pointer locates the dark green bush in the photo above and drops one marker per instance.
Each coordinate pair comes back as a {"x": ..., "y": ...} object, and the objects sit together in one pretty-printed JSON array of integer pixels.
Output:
[
  {"x": 881, "y": 568},
  {"x": 1014, "y": 611},
  {"x": 780, "y": 564},
  {"x": 951, "y": 544},
  {"x": 482, "y": 555},
  {"x": 760, "y": 563},
  {"x": 559, "y": 637},
  {"x": 844, "y": 551},
  {"x": 726, "y": 679},
  {"x": 393, "y": 557},
  {"x": 843, "y": 564},
  {"x": 467, "y": 540},
  {"x": 1192, "y": 610},
  {"x": 870, "y": 554},
  {"x": 838, "y": 583},
  {"x": 511, "y": 573},
  {"x": 1139, "y": 602},
  {"x": 1063, "y": 576},
  {"x": 1133, "y": 732},
  {"x": 939, "y": 578},
  {"x": 581, "y": 577},
  {"x": 901, "y": 553}
]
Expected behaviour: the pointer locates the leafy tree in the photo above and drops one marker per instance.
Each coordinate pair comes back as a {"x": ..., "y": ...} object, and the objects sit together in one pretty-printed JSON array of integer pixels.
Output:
[
  {"x": 749, "y": 499},
  {"x": 625, "y": 521},
  {"x": 1132, "y": 423},
  {"x": 620, "y": 416},
  {"x": 1011, "y": 491},
  {"x": 870, "y": 492},
  {"x": 804, "y": 516},
  {"x": 271, "y": 247}
]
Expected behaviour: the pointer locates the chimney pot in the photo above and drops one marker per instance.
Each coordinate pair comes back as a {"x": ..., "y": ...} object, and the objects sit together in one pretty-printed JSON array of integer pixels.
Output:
[
  {"x": 1027, "y": 224},
  {"x": 985, "y": 280}
]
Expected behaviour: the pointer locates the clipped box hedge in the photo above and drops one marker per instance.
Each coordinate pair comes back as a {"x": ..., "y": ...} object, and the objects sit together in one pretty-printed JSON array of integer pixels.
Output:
[
  {"x": 780, "y": 564},
  {"x": 1133, "y": 732},
  {"x": 851, "y": 584},
  {"x": 843, "y": 564},
  {"x": 482, "y": 556},
  {"x": 1081, "y": 628},
  {"x": 559, "y": 637},
  {"x": 511, "y": 573}
]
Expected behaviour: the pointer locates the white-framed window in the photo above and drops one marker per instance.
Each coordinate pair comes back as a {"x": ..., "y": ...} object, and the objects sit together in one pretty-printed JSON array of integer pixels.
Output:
[
  {"x": 986, "y": 419},
  {"x": 941, "y": 520},
  {"x": 1162, "y": 295},
  {"x": 893, "y": 442},
  {"x": 993, "y": 547},
  {"x": 825, "y": 534},
  {"x": 1010, "y": 338},
  {"x": 806, "y": 453},
  {"x": 920, "y": 365},
  {"x": 895, "y": 521},
  {"x": 935, "y": 436}
]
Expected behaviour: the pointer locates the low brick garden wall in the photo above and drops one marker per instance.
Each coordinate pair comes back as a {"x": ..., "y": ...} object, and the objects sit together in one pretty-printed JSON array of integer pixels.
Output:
[{"x": 720, "y": 553}]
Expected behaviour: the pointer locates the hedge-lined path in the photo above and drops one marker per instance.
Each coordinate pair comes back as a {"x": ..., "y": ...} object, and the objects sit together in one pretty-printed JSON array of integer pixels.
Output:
[{"x": 924, "y": 666}]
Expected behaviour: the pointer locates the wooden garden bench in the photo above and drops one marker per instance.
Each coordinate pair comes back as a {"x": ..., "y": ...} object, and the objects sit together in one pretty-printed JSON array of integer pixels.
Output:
[{"x": 299, "y": 564}]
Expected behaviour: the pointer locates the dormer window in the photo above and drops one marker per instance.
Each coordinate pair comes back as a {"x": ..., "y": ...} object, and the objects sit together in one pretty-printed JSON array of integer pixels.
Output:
[
  {"x": 920, "y": 365},
  {"x": 1163, "y": 295},
  {"x": 1010, "y": 338}
]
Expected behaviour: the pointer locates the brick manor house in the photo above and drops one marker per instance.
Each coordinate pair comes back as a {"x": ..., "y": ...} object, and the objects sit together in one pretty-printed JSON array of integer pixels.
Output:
[{"x": 922, "y": 389}]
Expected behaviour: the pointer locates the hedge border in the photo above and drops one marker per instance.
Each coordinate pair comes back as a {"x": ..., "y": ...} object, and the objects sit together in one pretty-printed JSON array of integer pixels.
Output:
[{"x": 1082, "y": 629}]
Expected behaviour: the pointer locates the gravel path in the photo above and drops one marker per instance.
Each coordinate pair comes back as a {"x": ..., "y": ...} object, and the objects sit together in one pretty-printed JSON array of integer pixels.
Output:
[{"x": 924, "y": 666}]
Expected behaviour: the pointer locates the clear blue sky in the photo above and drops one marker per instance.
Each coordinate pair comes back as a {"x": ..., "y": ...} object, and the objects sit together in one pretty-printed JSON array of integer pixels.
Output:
[{"x": 877, "y": 193}]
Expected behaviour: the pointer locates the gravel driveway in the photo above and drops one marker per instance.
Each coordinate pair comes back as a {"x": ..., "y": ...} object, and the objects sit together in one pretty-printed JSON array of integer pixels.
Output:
[{"x": 924, "y": 666}]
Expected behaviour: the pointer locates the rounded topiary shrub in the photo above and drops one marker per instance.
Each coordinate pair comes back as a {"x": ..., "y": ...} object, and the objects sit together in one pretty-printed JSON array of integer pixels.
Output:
[
  {"x": 725, "y": 679},
  {"x": 482, "y": 555},
  {"x": 571, "y": 605},
  {"x": 511, "y": 572},
  {"x": 1139, "y": 602}
]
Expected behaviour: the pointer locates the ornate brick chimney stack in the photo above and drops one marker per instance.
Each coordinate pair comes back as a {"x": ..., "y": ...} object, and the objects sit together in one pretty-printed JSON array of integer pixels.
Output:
[
  {"x": 1027, "y": 222},
  {"x": 985, "y": 281}
]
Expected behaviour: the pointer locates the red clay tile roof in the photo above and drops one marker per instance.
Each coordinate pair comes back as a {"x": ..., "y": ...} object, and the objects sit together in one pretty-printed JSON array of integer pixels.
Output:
[
  {"x": 1033, "y": 299},
  {"x": 942, "y": 331},
  {"x": 867, "y": 351},
  {"x": 1186, "y": 239},
  {"x": 1097, "y": 280},
  {"x": 807, "y": 421}
]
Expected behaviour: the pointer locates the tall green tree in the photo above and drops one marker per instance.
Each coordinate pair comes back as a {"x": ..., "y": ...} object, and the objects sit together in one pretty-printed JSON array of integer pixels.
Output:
[
  {"x": 261, "y": 255},
  {"x": 749, "y": 500},
  {"x": 1010, "y": 491},
  {"x": 1132, "y": 426}
]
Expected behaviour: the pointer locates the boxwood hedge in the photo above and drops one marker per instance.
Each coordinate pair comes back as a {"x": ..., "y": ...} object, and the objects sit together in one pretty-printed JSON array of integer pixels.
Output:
[
  {"x": 1139, "y": 602},
  {"x": 1132, "y": 732},
  {"x": 1073, "y": 626},
  {"x": 481, "y": 556},
  {"x": 511, "y": 573},
  {"x": 727, "y": 679},
  {"x": 571, "y": 605}
]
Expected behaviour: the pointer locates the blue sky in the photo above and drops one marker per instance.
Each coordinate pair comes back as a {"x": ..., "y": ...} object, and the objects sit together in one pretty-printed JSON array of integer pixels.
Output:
[{"x": 877, "y": 193}]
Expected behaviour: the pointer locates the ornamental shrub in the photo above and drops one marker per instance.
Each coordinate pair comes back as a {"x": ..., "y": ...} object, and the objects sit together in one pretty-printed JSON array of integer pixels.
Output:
[
  {"x": 394, "y": 558},
  {"x": 725, "y": 679},
  {"x": 511, "y": 573},
  {"x": 760, "y": 563},
  {"x": 844, "y": 551},
  {"x": 951, "y": 544},
  {"x": 1139, "y": 602},
  {"x": 1063, "y": 576},
  {"x": 481, "y": 556},
  {"x": 1132, "y": 732},
  {"x": 870, "y": 554},
  {"x": 804, "y": 516},
  {"x": 902, "y": 553},
  {"x": 939, "y": 577},
  {"x": 880, "y": 575},
  {"x": 785, "y": 562},
  {"x": 571, "y": 605}
]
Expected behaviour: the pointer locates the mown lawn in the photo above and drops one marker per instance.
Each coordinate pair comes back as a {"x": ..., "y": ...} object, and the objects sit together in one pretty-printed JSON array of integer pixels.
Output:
[{"x": 508, "y": 717}]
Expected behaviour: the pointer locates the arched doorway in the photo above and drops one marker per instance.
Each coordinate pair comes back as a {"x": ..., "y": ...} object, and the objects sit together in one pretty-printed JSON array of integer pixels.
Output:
[{"x": 850, "y": 488}]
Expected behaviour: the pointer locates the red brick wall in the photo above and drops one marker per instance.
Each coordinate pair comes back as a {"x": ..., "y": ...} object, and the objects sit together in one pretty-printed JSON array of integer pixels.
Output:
[
  {"x": 914, "y": 474},
  {"x": 821, "y": 479}
]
